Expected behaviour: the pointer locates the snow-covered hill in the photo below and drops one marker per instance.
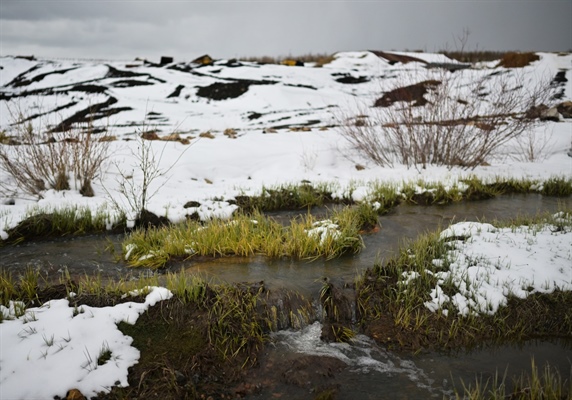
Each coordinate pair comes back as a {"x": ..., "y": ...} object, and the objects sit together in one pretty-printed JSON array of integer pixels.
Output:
[{"x": 284, "y": 121}]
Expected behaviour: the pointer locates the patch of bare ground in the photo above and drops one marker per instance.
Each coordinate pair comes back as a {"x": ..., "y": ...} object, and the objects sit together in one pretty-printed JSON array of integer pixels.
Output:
[
  {"x": 396, "y": 58},
  {"x": 411, "y": 94}
]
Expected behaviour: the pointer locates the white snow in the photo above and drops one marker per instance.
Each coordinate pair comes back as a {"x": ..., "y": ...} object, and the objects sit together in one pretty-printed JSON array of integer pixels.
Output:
[
  {"x": 486, "y": 265},
  {"x": 55, "y": 347},
  {"x": 59, "y": 347}
]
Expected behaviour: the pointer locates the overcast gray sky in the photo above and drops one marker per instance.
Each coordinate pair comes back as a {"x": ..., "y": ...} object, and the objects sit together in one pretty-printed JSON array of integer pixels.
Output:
[{"x": 125, "y": 29}]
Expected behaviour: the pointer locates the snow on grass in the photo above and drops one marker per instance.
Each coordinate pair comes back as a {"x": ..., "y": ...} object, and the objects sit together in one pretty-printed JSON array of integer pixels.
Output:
[
  {"x": 324, "y": 230},
  {"x": 53, "y": 348},
  {"x": 485, "y": 265}
]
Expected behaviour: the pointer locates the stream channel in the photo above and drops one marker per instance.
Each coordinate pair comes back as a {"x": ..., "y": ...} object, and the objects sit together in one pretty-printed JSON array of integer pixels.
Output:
[{"x": 370, "y": 371}]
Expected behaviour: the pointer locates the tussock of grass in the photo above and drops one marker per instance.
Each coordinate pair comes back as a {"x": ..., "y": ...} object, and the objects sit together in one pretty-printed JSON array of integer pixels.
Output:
[
  {"x": 205, "y": 330},
  {"x": 557, "y": 186},
  {"x": 517, "y": 60},
  {"x": 287, "y": 197},
  {"x": 474, "y": 56},
  {"x": 546, "y": 383},
  {"x": 382, "y": 197},
  {"x": 392, "y": 307},
  {"x": 62, "y": 222},
  {"x": 245, "y": 235}
]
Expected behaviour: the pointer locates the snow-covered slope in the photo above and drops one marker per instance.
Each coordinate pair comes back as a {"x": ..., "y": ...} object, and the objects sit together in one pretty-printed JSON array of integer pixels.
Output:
[{"x": 190, "y": 99}]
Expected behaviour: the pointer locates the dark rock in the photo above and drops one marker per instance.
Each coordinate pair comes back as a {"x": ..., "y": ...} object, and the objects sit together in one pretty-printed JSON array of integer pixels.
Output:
[
  {"x": 254, "y": 115},
  {"x": 192, "y": 203},
  {"x": 74, "y": 394},
  {"x": 203, "y": 60},
  {"x": 559, "y": 78},
  {"x": 233, "y": 63},
  {"x": 565, "y": 109},
  {"x": 166, "y": 60},
  {"x": 194, "y": 217},
  {"x": 148, "y": 220}
]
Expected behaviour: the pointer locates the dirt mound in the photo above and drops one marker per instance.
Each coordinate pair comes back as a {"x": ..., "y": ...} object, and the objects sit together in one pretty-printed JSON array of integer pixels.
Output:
[
  {"x": 230, "y": 90},
  {"x": 412, "y": 93},
  {"x": 350, "y": 79},
  {"x": 395, "y": 58}
]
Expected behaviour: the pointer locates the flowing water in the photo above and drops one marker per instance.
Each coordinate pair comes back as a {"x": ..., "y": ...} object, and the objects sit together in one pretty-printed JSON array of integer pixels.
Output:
[{"x": 369, "y": 371}]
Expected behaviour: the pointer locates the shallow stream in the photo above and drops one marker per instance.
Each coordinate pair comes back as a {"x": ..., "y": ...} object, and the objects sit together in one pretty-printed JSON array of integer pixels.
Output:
[{"x": 370, "y": 372}]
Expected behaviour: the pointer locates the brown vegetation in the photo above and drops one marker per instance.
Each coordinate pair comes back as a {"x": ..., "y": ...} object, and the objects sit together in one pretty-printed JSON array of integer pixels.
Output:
[
  {"x": 517, "y": 60},
  {"x": 474, "y": 56},
  {"x": 319, "y": 59}
]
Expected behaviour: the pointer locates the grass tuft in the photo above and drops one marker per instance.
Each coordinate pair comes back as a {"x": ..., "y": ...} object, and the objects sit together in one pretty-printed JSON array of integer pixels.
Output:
[{"x": 247, "y": 235}]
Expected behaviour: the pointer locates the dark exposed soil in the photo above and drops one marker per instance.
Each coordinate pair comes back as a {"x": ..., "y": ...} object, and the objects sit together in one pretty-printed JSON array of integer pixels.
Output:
[
  {"x": 410, "y": 94},
  {"x": 560, "y": 78},
  {"x": 20, "y": 81},
  {"x": 176, "y": 92},
  {"x": 350, "y": 79},
  {"x": 395, "y": 58},
  {"x": 117, "y": 73},
  {"x": 130, "y": 83},
  {"x": 222, "y": 91},
  {"x": 230, "y": 90},
  {"x": 88, "y": 88},
  {"x": 90, "y": 114}
]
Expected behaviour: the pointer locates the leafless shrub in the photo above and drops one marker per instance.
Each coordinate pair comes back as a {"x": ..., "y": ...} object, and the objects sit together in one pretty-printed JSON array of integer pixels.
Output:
[
  {"x": 459, "y": 122},
  {"x": 38, "y": 159},
  {"x": 532, "y": 146},
  {"x": 137, "y": 186}
]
